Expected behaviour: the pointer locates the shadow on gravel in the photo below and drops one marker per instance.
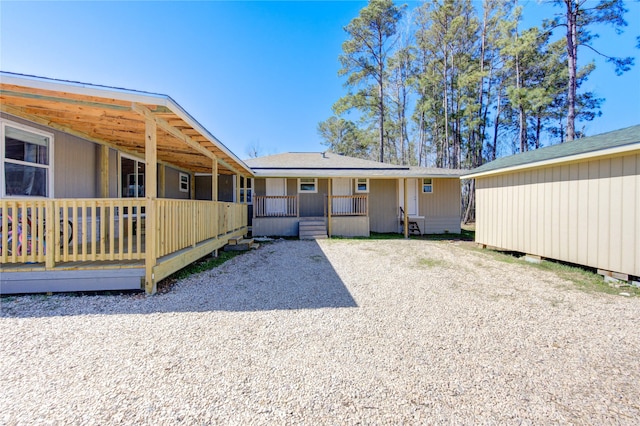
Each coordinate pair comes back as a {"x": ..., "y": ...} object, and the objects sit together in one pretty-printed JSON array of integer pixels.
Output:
[{"x": 285, "y": 275}]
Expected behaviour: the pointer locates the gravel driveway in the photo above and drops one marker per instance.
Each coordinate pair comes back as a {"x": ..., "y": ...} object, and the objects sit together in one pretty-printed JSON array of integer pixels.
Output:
[{"x": 334, "y": 332}]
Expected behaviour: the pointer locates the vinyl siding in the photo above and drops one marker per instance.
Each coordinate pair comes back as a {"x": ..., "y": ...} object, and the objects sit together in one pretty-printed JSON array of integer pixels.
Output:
[
  {"x": 585, "y": 212},
  {"x": 383, "y": 205},
  {"x": 441, "y": 208}
]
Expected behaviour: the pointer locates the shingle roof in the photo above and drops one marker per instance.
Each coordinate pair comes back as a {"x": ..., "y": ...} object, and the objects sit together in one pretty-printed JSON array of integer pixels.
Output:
[
  {"x": 328, "y": 164},
  {"x": 589, "y": 146}
]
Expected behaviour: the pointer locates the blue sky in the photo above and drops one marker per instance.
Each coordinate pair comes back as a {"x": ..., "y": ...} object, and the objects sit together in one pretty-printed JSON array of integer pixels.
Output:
[{"x": 253, "y": 73}]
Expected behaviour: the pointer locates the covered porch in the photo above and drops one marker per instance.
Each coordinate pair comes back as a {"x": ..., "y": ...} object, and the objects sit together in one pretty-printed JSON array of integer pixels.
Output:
[{"x": 119, "y": 238}]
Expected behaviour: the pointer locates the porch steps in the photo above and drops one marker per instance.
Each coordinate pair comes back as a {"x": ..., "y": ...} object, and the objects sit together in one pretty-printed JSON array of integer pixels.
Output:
[
  {"x": 241, "y": 244},
  {"x": 312, "y": 229}
]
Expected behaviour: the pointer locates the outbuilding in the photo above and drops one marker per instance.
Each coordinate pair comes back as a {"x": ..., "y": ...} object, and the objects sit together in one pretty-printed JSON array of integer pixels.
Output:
[{"x": 577, "y": 202}]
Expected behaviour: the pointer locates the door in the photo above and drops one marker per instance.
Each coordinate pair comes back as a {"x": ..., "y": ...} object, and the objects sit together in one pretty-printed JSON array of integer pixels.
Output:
[
  {"x": 276, "y": 187},
  {"x": 412, "y": 196},
  {"x": 341, "y": 206}
]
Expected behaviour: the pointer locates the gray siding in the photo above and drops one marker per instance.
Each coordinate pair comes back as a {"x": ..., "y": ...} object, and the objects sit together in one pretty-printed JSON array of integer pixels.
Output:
[
  {"x": 172, "y": 184},
  {"x": 312, "y": 205},
  {"x": 225, "y": 188},
  {"x": 75, "y": 171}
]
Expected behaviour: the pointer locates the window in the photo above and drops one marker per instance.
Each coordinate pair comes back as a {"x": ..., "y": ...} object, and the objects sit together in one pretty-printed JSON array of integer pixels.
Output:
[
  {"x": 307, "y": 185},
  {"x": 427, "y": 185},
  {"x": 184, "y": 182},
  {"x": 26, "y": 161},
  {"x": 248, "y": 197},
  {"x": 131, "y": 177},
  {"x": 362, "y": 185}
]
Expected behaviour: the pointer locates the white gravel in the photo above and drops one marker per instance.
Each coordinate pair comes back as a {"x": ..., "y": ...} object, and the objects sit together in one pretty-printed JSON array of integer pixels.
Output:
[{"x": 334, "y": 332}]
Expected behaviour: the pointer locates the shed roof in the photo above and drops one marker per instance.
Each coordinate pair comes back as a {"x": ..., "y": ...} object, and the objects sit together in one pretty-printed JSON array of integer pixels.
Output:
[
  {"x": 627, "y": 139},
  {"x": 116, "y": 117},
  {"x": 328, "y": 164}
]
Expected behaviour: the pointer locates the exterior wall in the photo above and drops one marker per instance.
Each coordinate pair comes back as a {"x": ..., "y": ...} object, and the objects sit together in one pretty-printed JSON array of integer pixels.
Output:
[
  {"x": 350, "y": 226},
  {"x": 586, "y": 212},
  {"x": 203, "y": 188},
  {"x": 275, "y": 226},
  {"x": 312, "y": 205},
  {"x": 172, "y": 184},
  {"x": 383, "y": 205},
  {"x": 441, "y": 208},
  {"x": 74, "y": 163}
]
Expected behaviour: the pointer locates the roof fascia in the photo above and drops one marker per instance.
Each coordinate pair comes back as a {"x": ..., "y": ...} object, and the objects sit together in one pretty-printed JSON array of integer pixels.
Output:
[{"x": 559, "y": 160}]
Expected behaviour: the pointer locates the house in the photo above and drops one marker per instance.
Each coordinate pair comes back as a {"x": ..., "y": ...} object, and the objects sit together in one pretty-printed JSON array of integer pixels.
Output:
[
  {"x": 100, "y": 187},
  {"x": 320, "y": 194},
  {"x": 577, "y": 202}
]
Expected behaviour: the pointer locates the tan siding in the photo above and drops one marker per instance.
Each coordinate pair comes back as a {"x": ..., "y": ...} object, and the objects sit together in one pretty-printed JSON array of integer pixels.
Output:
[
  {"x": 586, "y": 213},
  {"x": 312, "y": 205},
  {"x": 383, "y": 205},
  {"x": 441, "y": 209}
]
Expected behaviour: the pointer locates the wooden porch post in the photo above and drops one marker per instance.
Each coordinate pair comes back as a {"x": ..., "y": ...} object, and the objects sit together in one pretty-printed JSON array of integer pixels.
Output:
[
  {"x": 237, "y": 187},
  {"x": 104, "y": 171},
  {"x": 329, "y": 208},
  {"x": 406, "y": 209},
  {"x": 161, "y": 177},
  {"x": 151, "y": 189},
  {"x": 214, "y": 180}
]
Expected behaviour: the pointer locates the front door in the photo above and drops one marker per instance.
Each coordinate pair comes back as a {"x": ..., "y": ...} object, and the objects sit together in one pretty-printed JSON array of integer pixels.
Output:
[
  {"x": 412, "y": 196},
  {"x": 276, "y": 187},
  {"x": 344, "y": 206}
]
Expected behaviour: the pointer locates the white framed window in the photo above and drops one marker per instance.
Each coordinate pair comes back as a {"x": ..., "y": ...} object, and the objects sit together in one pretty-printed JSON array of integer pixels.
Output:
[
  {"x": 131, "y": 177},
  {"x": 362, "y": 185},
  {"x": 248, "y": 196},
  {"x": 427, "y": 185},
  {"x": 184, "y": 182},
  {"x": 26, "y": 163},
  {"x": 308, "y": 185}
]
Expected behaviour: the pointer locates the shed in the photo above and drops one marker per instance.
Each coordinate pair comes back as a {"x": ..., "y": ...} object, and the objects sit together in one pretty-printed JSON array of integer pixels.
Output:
[{"x": 577, "y": 202}]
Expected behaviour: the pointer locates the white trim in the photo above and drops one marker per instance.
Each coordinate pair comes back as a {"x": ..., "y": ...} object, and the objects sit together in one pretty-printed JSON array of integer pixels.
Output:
[
  {"x": 308, "y": 191},
  {"x": 180, "y": 176},
  {"x": 49, "y": 167},
  {"x": 423, "y": 185},
  {"x": 553, "y": 161},
  {"x": 358, "y": 191}
]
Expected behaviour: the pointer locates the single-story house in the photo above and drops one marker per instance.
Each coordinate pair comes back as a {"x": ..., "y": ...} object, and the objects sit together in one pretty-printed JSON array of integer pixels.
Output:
[
  {"x": 577, "y": 202},
  {"x": 320, "y": 194},
  {"x": 100, "y": 187}
]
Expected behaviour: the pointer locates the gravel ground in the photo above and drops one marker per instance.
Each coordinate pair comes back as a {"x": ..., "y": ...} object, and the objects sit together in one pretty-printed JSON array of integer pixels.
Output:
[{"x": 334, "y": 332}]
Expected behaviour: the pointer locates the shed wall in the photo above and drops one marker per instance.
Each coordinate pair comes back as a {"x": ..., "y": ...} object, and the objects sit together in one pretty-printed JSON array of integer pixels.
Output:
[{"x": 586, "y": 212}]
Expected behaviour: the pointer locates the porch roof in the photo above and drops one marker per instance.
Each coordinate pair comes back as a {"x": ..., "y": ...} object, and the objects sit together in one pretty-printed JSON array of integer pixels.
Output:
[
  {"x": 328, "y": 164},
  {"x": 116, "y": 117}
]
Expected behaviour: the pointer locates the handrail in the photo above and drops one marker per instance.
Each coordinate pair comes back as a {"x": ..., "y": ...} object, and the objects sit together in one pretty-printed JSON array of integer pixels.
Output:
[
  {"x": 275, "y": 206},
  {"x": 349, "y": 205}
]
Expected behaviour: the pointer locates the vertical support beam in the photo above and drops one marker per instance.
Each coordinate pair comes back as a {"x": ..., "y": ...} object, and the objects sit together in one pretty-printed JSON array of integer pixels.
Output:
[
  {"x": 214, "y": 180},
  {"x": 151, "y": 193},
  {"x": 237, "y": 187},
  {"x": 329, "y": 207},
  {"x": 192, "y": 186},
  {"x": 406, "y": 208},
  {"x": 163, "y": 181},
  {"x": 104, "y": 171}
]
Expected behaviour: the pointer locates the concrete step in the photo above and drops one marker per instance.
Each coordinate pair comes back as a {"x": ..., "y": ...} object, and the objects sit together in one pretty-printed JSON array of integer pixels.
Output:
[
  {"x": 239, "y": 244},
  {"x": 313, "y": 237},
  {"x": 320, "y": 228},
  {"x": 312, "y": 223}
]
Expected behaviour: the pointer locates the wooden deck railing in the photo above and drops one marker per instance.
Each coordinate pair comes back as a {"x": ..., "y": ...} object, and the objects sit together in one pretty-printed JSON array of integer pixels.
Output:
[
  {"x": 349, "y": 205},
  {"x": 82, "y": 230},
  {"x": 184, "y": 223},
  {"x": 275, "y": 206}
]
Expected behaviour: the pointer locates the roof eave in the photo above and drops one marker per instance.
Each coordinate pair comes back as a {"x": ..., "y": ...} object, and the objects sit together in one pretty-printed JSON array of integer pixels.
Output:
[{"x": 559, "y": 160}]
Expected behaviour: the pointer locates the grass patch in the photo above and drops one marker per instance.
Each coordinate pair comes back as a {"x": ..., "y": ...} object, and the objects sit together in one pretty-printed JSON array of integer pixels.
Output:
[
  {"x": 196, "y": 267},
  {"x": 432, "y": 263},
  {"x": 582, "y": 277}
]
